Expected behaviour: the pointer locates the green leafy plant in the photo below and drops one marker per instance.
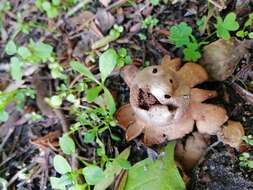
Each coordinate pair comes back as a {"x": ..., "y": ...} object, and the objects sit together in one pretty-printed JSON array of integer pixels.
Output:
[
  {"x": 224, "y": 27},
  {"x": 107, "y": 62},
  {"x": 181, "y": 36},
  {"x": 92, "y": 173},
  {"x": 4, "y": 6},
  {"x": 33, "y": 116},
  {"x": 248, "y": 139},
  {"x": 123, "y": 57},
  {"x": 159, "y": 174},
  {"x": 154, "y": 2},
  {"x": 53, "y": 7},
  {"x": 18, "y": 97},
  {"x": 246, "y": 160},
  {"x": 114, "y": 34},
  {"x": 149, "y": 22},
  {"x": 243, "y": 33},
  {"x": 50, "y": 7},
  {"x": 34, "y": 53}
]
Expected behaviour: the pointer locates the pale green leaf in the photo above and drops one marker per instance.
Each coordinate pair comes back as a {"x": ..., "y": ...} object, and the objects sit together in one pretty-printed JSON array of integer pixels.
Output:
[
  {"x": 93, "y": 174},
  {"x": 42, "y": 50},
  {"x": 112, "y": 171},
  {"x": 55, "y": 101},
  {"x": 230, "y": 22},
  {"x": 251, "y": 35},
  {"x": 56, "y": 183},
  {"x": 3, "y": 116},
  {"x": 61, "y": 165},
  {"x": 107, "y": 61},
  {"x": 3, "y": 183},
  {"x": 46, "y": 5},
  {"x": 77, "y": 66},
  {"x": 11, "y": 48},
  {"x": 109, "y": 101},
  {"x": 24, "y": 52},
  {"x": 93, "y": 93},
  {"x": 67, "y": 144},
  {"x": 161, "y": 174},
  {"x": 16, "y": 71}
]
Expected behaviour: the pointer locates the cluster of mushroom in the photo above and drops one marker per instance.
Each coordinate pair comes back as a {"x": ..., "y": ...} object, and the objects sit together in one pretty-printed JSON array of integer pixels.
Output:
[{"x": 164, "y": 105}]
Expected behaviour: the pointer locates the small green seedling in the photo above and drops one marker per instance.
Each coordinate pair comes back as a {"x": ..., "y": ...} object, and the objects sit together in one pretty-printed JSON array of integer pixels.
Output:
[
  {"x": 50, "y": 7},
  {"x": 107, "y": 62},
  {"x": 244, "y": 33},
  {"x": 149, "y": 22},
  {"x": 17, "y": 96},
  {"x": 93, "y": 174},
  {"x": 154, "y": 2},
  {"x": 224, "y": 27},
  {"x": 248, "y": 139},
  {"x": 246, "y": 159},
  {"x": 124, "y": 58},
  {"x": 181, "y": 36},
  {"x": 34, "y": 53}
]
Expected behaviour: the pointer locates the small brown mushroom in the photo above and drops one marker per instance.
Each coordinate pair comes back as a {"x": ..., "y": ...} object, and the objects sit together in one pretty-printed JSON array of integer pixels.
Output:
[
  {"x": 232, "y": 133},
  {"x": 189, "y": 154},
  {"x": 164, "y": 104}
]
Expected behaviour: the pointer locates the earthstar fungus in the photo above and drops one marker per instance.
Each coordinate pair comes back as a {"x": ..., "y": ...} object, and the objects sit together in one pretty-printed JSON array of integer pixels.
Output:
[{"x": 164, "y": 105}]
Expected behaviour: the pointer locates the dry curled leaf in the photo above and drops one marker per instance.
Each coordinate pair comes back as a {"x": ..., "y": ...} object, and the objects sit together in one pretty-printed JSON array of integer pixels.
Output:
[
  {"x": 104, "y": 19},
  {"x": 164, "y": 104},
  {"x": 221, "y": 57},
  {"x": 232, "y": 134}
]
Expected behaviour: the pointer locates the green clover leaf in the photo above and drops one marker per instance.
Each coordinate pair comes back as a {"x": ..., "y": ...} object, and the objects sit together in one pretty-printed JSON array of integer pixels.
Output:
[
  {"x": 224, "y": 27},
  {"x": 191, "y": 52},
  {"x": 180, "y": 34}
]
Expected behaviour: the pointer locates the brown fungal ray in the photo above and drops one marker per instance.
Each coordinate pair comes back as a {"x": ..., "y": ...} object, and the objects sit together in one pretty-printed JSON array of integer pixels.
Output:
[
  {"x": 129, "y": 72},
  {"x": 193, "y": 74},
  {"x": 200, "y": 95},
  {"x": 209, "y": 118},
  {"x": 125, "y": 116},
  {"x": 173, "y": 64},
  {"x": 134, "y": 130}
]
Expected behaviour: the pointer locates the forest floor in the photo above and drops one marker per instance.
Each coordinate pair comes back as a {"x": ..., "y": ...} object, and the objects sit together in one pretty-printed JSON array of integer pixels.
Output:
[{"x": 43, "y": 96}]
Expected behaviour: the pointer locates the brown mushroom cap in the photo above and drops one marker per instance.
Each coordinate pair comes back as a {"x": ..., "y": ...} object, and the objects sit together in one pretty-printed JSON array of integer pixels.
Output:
[
  {"x": 189, "y": 154},
  {"x": 209, "y": 118},
  {"x": 232, "y": 133}
]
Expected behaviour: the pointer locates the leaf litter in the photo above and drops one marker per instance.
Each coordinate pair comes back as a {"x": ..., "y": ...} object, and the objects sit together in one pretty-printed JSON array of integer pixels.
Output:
[{"x": 28, "y": 147}]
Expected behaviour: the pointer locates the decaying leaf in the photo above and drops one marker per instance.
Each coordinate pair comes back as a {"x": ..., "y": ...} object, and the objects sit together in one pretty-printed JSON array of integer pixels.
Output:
[
  {"x": 164, "y": 104},
  {"x": 159, "y": 174},
  {"x": 189, "y": 154},
  {"x": 42, "y": 93},
  {"x": 105, "y": 2},
  {"x": 221, "y": 57},
  {"x": 232, "y": 134},
  {"x": 104, "y": 19}
]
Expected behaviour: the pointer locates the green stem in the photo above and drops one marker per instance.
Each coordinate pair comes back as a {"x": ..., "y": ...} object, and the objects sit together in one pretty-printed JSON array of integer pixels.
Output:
[{"x": 104, "y": 41}]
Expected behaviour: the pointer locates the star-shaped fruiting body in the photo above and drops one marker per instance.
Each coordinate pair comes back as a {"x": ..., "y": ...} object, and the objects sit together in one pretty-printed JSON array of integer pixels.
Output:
[{"x": 164, "y": 105}]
